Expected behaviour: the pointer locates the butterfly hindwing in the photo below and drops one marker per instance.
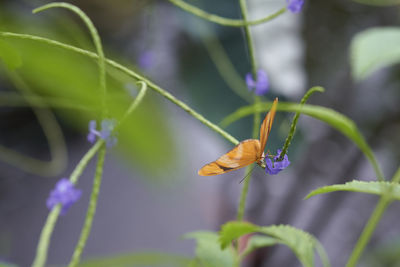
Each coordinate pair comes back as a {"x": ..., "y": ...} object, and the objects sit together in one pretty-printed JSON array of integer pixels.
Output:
[{"x": 245, "y": 153}]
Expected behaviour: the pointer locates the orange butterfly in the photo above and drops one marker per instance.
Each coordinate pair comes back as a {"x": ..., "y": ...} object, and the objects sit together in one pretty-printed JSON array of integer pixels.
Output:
[{"x": 245, "y": 153}]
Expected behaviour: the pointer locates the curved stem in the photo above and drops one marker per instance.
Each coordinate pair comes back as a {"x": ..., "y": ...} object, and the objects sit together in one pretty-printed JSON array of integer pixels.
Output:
[
  {"x": 97, "y": 43},
  {"x": 132, "y": 74},
  {"x": 296, "y": 118},
  {"x": 91, "y": 210},
  {"x": 134, "y": 104},
  {"x": 221, "y": 20}
]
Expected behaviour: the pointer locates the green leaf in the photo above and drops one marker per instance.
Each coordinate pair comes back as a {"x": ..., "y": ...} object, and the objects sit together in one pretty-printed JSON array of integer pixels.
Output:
[
  {"x": 138, "y": 260},
  {"x": 379, "y": 2},
  {"x": 10, "y": 56},
  {"x": 209, "y": 252},
  {"x": 335, "y": 119},
  {"x": 373, "y": 49},
  {"x": 376, "y": 188},
  {"x": 258, "y": 241},
  {"x": 233, "y": 230},
  {"x": 301, "y": 243}
]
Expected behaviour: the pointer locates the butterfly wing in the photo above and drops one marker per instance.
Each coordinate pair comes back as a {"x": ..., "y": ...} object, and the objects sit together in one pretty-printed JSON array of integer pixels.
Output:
[
  {"x": 245, "y": 153},
  {"x": 266, "y": 125}
]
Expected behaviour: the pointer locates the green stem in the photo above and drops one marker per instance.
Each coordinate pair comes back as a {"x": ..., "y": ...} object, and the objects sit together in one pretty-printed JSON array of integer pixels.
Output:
[
  {"x": 225, "y": 66},
  {"x": 132, "y": 74},
  {"x": 97, "y": 43},
  {"x": 84, "y": 161},
  {"x": 243, "y": 195},
  {"x": 296, "y": 118},
  {"x": 249, "y": 39},
  {"x": 256, "y": 121},
  {"x": 221, "y": 20},
  {"x": 44, "y": 240},
  {"x": 134, "y": 104},
  {"x": 97, "y": 182},
  {"x": 91, "y": 210},
  {"x": 368, "y": 231},
  {"x": 373, "y": 221}
]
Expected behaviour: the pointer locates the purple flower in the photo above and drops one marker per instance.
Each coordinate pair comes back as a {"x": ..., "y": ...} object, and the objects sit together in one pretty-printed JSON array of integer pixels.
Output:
[
  {"x": 273, "y": 166},
  {"x": 107, "y": 126},
  {"x": 146, "y": 60},
  {"x": 92, "y": 132},
  {"x": 261, "y": 86},
  {"x": 295, "y": 6},
  {"x": 64, "y": 193}
]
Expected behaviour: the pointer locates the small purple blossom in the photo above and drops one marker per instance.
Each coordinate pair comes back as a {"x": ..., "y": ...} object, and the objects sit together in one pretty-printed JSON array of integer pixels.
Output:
[
  {"x": 295, "y": 6},
  {"x": 64, "y": 193},
  {"x": 261, "y": 86},
  {"x": 107, "y": 126},
  {"x": 273, "y": 166},
  {"x": 92, "y": 132},
  {"x": 146, "y": 60}
]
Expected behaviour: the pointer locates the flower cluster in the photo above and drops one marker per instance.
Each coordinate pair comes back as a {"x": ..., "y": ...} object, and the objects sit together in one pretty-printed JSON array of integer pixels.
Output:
[
  {"x": 274, "y": 166},
  {"x": 107, "y": 126},
  {"x": 64, "y": 193},
  {"x": 295, "y": 6},
  {"x": 261, "y": 85}
]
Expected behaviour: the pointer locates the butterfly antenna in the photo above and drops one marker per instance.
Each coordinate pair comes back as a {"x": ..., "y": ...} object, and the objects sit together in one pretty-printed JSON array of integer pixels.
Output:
[{"x": 248, "y": 174}]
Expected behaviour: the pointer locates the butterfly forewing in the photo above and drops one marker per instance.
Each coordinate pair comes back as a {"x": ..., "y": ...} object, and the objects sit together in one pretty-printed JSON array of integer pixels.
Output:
[
  {"x": 267, "y": 124},
  {"x": 245, "y": 153}
]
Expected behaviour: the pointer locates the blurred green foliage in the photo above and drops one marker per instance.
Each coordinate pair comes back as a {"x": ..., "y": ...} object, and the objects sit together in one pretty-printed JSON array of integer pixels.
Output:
[
  {"x": 144, "y": 259},
  {"x": 374, "y": 49},
  {"x": 208, "y": 250},
  {"x": 53, "y": 72},
  {"x": 386, "y": 254}
]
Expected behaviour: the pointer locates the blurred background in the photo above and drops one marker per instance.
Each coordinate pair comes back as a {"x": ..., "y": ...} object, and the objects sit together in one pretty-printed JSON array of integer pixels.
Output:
[{"x": 151, "y": 194}]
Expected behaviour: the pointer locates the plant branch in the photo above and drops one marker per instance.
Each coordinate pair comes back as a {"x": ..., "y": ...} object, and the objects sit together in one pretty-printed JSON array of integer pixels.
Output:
[
  {"x": 133, "y": 75},
  {"x": 87, "y": 226},
  {"x": 221, "y": 20},
  {"x": 44, "y": 240}
]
